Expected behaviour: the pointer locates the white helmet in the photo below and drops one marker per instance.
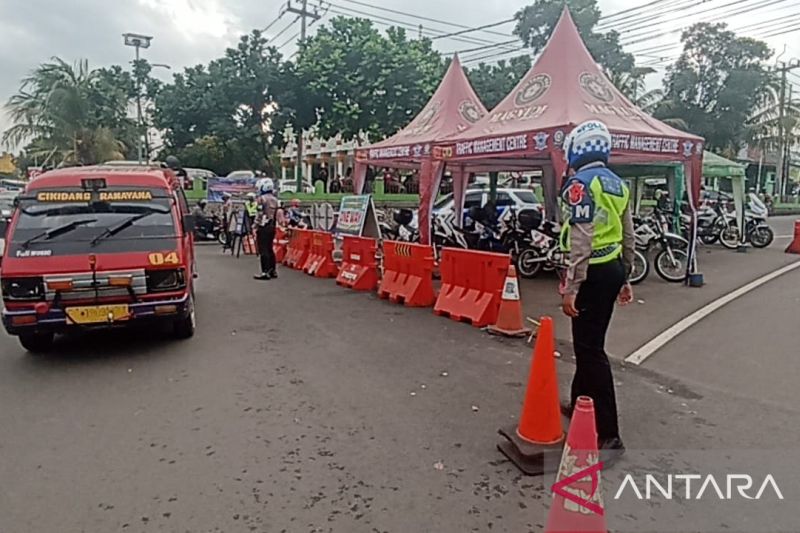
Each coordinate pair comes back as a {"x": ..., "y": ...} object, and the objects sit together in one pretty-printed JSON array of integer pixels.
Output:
[
  {"x": 265, "y": 186},
  {"x": 587, "y": 143}
]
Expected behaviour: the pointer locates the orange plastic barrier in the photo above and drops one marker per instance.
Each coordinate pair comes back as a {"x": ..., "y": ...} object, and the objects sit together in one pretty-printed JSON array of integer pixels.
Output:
[
  {"x": 359, "y": 268},
  {"x": 407, "y": 274},
  {"x": 794, "y": 246},
  {"x": 472, "y": 285},
  {"x": 298, "y": 249},
  {"x": 279, "y": 244},
  {"x": 249, "y": 245},
  {"x": 320, "y": 261}
]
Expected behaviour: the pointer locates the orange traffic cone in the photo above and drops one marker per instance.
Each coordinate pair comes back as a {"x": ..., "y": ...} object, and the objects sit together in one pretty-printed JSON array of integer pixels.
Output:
[
  {"x": 540, "y": 431},
  {"x": 794, "y": 246},
  {"x": 509, "y": 317},
  {"x": 577, "y": 499}
]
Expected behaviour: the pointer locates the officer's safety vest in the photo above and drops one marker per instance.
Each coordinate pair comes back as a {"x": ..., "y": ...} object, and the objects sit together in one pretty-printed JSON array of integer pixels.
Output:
[
  {"x": 252, "y": 209},
  {"x": 596, "y": 195}
]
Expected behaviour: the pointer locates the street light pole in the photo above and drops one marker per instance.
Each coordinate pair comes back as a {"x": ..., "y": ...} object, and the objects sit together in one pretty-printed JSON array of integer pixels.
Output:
[{"x": 138, "y": 41}]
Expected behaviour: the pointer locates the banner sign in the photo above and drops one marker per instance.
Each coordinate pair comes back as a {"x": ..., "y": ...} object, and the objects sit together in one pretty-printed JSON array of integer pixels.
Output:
[
  {"x": 236, "y": 187},
  {"x": 352, "y": 214}
]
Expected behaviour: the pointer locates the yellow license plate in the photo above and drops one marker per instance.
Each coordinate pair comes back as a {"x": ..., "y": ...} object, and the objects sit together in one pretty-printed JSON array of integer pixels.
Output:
[{"x": 98, "y": 314}]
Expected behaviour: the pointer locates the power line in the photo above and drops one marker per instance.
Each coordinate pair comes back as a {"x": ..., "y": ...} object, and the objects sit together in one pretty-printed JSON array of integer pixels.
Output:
[
  {"x": 284, "y": 30},
  {"x": 419, "y": 17},
  {"x": 428, "y": 32},
  {"x": 271, "y": 24},
  {"x": 640, "y": 37},
  {"x": 467, "y": 50},
  {"x": 631, "y": 9},
  {"x": 640, "y": 18},
  {"x": 470, "y": 30}
]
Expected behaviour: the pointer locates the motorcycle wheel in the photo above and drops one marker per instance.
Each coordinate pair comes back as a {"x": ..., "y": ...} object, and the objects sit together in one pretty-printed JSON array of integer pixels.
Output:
[
  {"x": 671, "y": 267},
  {"x": 221, "y": 238},
  {"x": 708, "y": 238},
  {"x": 529, "y": 263},
  {"x": 761, "y": 237},
  {"x": 729, "y": 237},
  {"x": 640, "y": 268}
]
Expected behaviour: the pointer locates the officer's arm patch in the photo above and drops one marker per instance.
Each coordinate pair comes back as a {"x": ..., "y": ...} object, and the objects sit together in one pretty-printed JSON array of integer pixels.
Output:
[
  {"x": 579, "y": 200},
  {"x": 611, "y": 185}
]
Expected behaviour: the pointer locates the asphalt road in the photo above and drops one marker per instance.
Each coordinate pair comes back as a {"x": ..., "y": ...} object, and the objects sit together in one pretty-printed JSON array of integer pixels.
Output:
[{"x": 300, "y": 406}]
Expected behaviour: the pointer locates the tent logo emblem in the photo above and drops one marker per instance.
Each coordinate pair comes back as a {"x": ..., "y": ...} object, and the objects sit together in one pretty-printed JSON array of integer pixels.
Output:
[
  {"x": 558, "y": 137},
  {"x": 417, "y": 150},
  {"x": 540, "y": 139},
  {"x": 687, "y": 148},
  {"x": 423, "y": 121},
  {"x": 469, "y": 111},
  {"x": 699, "y": 148},
  {"x": 533, "y": 89},
  {"x": 596, "y": 86}
]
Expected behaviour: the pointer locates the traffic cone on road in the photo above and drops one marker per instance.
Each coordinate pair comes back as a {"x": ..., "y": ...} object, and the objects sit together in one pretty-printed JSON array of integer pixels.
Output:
[
  {"x": 794, "y": 246},
  {"x": 577, "y": 499},
  {"x": 535, "y": 444},
  {"x": 509, "y": 317}
]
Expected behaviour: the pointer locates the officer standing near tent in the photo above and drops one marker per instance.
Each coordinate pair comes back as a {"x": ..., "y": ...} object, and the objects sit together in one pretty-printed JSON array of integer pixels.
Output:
[{"x": 600, "y": 240}]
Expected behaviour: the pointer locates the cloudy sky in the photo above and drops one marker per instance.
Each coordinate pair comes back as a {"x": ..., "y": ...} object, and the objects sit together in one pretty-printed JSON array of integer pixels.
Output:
[{"x": 187, "y": 32}]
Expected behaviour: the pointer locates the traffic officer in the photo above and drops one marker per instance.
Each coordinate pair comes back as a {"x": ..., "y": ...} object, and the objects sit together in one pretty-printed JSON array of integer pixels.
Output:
[
  {"x": 251, "y": 208},
  {"x": 269, "y": 214},
  {"x": 599, "y": 238}
]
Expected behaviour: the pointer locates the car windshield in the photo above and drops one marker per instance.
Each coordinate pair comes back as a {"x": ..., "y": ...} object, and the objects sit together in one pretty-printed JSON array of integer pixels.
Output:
[
  {"x": 83, "y": 222},
  {"x": 443, "y": 201},
  {"x": 526, "y": 197}
]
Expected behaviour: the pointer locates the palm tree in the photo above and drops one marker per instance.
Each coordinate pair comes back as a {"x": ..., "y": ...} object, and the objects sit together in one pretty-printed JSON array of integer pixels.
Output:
[{"x": 55, "y": 110}]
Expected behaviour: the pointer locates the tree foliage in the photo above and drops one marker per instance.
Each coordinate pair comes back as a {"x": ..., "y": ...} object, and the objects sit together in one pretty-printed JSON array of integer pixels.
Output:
[
  {"x": 535, "y": 23},
  {"x": 716, "y": 84},
  {"x": 354, "y": 78},
  {"x": 493, "y": 82},
  {"x": 70, "y": 113},
  {"x": 227, "y": 105}
]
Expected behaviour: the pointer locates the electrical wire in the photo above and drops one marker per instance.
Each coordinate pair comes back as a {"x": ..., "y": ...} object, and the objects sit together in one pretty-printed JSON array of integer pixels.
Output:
[
  {"x": 284, "y": 30},
  {"x": 271, "y": 24},
  {"x": 478, "y": 28},
  {"x": 289, "y": 40}
]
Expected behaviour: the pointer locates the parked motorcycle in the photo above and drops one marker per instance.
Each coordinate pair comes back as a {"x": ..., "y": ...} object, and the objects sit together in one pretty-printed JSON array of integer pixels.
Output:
[
  {"x": 671, "y": 260},
  {"x": 756, "y": 230},
  {"x": 400, "y": 228}
]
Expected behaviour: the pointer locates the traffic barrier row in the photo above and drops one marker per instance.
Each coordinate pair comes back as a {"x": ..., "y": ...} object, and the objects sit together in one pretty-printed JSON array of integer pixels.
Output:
[
  {"x": 298, "y": 248},
  {"x": 407, "y": 274},
  {"x": 359, "y": 269},
  {"x": 472, "y": 285},
  {"x": 319, "y": 262},
  {"x": 279, "y": 244}
]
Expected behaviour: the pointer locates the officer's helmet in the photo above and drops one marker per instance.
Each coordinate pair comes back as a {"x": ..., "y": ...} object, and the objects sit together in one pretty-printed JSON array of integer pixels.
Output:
[{"x": 587, "y": 143}]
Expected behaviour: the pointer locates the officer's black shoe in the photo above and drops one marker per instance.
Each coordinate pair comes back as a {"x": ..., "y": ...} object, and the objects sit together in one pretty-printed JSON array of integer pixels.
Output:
[
  {"x": 264, "y": 276},
  {"x": 273, "y": 274},
  {"x": 610, "y": 449},
  {"x": 566, "y": 409}
]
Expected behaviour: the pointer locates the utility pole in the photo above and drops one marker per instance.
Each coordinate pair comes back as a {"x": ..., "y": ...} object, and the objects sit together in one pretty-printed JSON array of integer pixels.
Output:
[
  {"x": 302, "y": 13},
  {"x": 783, "y": 147},
  {"x": 138, "y": 41}
]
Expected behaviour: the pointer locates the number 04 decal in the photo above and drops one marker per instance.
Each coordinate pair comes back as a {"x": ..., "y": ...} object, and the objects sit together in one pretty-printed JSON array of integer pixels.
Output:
[{"x": 163, "y": 259}]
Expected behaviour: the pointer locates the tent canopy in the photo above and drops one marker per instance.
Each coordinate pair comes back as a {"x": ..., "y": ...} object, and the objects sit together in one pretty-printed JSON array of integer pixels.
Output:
[
  {"x": 453, "y": 109},
  {"x": 716, "y": 166},
  {"x": 564, "y": 88}
]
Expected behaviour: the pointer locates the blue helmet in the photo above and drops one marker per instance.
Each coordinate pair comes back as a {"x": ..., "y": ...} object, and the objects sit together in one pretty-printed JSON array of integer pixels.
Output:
[{"x": 587, "y": 143}]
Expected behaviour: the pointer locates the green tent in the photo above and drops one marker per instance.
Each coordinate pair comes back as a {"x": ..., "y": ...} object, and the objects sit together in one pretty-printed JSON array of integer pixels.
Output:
[{"x": 716, "y": 166}]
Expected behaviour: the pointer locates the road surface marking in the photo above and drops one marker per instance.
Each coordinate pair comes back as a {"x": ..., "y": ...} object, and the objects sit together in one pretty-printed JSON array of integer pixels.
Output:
[
  {"x": 784, "y": 236},
  {"x": 640, "y": 355}
]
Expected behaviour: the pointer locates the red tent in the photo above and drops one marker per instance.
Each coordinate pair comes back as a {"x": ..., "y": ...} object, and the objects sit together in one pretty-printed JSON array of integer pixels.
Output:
[
  {"x": 452, "y": 110},
  {"x": 564, "y": 88}
]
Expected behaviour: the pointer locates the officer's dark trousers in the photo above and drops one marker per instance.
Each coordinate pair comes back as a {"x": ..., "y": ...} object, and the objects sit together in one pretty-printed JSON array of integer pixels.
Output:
[
  {"x": 595, "y": 304},
  {"x": 265, "y": 236}
]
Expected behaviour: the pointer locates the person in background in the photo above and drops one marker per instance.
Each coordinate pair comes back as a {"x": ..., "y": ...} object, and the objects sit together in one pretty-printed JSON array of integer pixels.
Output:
[
  {"x": 336, "y": 185},
  {"x": 662, "y": 201},
  {"x": 599, "y": 238},
  {"x": 269, "y": 216},
  {"x": 251, "y": 207},
  {"x": 203, "y": 223},
  {"x": 294, "y": 215},
  {"x": 227, "y": 214}
]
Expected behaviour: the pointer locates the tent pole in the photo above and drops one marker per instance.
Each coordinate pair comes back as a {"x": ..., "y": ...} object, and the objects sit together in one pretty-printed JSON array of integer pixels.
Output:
[{"x": 493, "y": 187}]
